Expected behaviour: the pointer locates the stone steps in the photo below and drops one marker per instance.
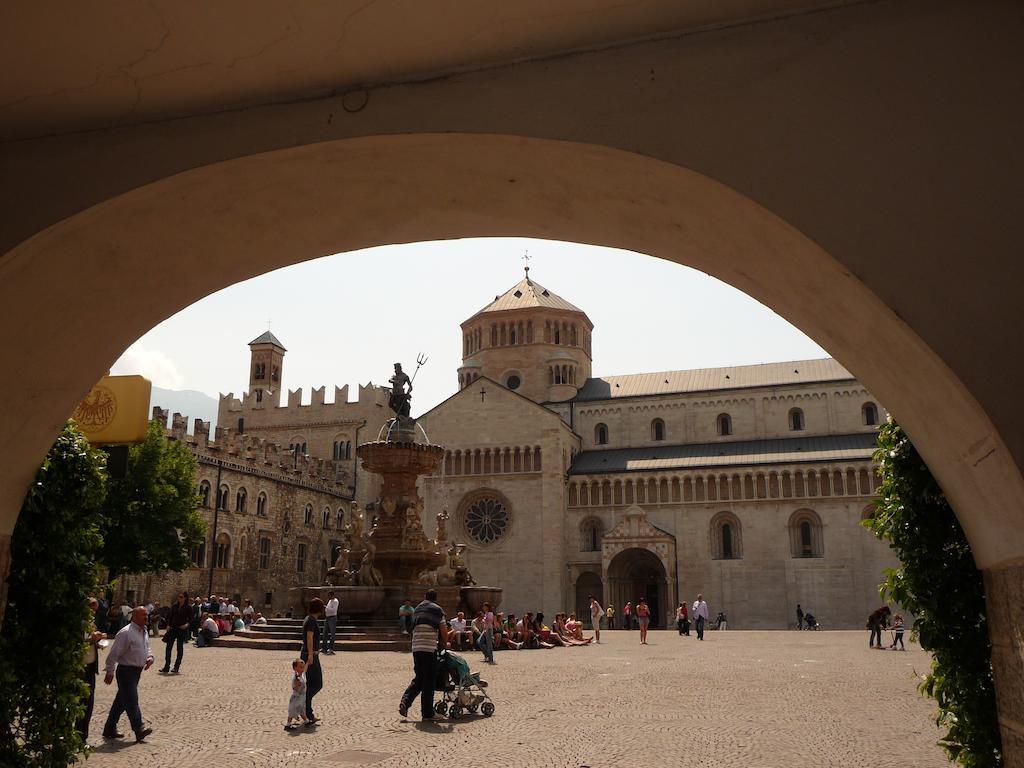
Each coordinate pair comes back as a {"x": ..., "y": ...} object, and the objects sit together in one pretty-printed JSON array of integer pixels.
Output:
[{"x": 247, "y": 640}]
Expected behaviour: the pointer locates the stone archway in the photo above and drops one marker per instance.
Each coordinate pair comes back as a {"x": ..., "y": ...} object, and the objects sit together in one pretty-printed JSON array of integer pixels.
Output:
[
  {"x": 638, "y": 559},
  {"x": 637, "y": 572}
]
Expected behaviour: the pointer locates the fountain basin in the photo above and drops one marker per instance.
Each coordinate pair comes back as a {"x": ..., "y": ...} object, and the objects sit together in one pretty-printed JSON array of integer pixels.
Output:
[
  {"x": 473, "y": 598},
  {"x": 354, "y": 601}
]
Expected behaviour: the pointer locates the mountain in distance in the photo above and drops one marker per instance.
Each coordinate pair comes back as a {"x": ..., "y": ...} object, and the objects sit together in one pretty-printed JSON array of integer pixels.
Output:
[{"x": 187, "y": 402}]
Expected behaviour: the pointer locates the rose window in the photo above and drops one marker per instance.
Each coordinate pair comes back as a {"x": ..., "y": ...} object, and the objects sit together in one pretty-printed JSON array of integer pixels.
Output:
[{"x": 487, "y": 520}]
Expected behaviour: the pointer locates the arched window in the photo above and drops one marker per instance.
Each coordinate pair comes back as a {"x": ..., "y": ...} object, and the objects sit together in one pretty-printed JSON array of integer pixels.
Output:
[
  {"x": 222, "y": 497},
  {"x": 805, "y": 534},
  {"x": 726, "y": 537},
  {"x": 197, "y": 555},
  {"x": 260, "y": 371},
  {"x": 307, "y": 514},
  {"x": 724, "y": 422},
  {"x": 240, "y": 499},
  {"x": 300, "y": 557},
  {"x": 657, "y": 430},
  {"x": 341, "y": 519},
  {"x": 223, "y": 554},
  {"x": 591, "y": 531},
  {"x": 261, "y": 504},
  {"x": 796, "y": 419},
  {"x": 326, "y": 521},
  {"x": 601, "y": 434},
  {"x": 204, "y": 493},
  {"x": 869, "y": 414}
]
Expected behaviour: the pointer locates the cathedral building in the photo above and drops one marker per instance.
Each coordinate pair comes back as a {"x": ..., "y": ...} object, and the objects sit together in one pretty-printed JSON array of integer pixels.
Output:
[{"x": 747, "y": 484}]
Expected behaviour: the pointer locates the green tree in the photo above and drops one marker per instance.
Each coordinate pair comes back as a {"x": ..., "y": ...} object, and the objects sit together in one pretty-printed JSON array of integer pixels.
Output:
[
  {"x": 151, "y": 518},
  {"x": 939, "y": 583},
  {"x": 53, "y": 571}
]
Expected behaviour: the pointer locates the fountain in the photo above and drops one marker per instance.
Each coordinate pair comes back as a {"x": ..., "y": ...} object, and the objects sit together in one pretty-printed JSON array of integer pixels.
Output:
[{"x": 388, "y": 556}]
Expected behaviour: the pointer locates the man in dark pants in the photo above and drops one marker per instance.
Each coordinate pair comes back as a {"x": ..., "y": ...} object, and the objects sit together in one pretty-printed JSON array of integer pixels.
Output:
[
  {"x": 700, "y": 615},
  {"x": 799, "y": 617},
  {"x": 90, "y": 668},
  {"x": 130, "y": 655},
  {"x": 428, "y": 623},
  {"x": 311, "y": 655},
  {"x": 178, "y": 621}
]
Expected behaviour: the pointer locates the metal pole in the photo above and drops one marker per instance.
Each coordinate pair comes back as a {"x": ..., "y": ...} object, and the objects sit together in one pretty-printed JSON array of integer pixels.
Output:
[{"x": 213, "y": 534}]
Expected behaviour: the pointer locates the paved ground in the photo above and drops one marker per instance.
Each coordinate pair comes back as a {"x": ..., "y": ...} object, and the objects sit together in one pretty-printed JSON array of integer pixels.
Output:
[{"x": 736, "y": 699}]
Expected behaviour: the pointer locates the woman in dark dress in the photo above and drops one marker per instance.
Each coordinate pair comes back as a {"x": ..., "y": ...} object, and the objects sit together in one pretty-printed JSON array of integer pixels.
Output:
[
  {"x": 178, "y": 621},
  {"x": 310, "y": 654}
]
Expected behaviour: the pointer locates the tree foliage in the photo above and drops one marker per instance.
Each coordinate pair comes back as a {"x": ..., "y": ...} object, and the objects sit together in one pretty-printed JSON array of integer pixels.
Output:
[
  {"x": 151, "y": 518},
  {"x": 939, "y": 583},
  {"x": 53, "y": 572}
]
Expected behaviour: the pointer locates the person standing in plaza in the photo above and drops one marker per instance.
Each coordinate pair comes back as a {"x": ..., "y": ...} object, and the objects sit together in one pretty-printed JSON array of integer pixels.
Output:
[
  {"x": 330, "y": 623},
  {"x": 683, "y": 620},
  {"x": 596, "y": 614},
  {"x": 700, "y": 615},
  {"x": 310, "y": 654},
  {"x": 877, "y": 621},
  {"x": 627, "y": 616},
  {"x": 487, "y": 627},
  {"x": 799, "y": 617},
  {"x": 429, "y": 627},
  {"x": 178, "y": 622},
  {"x": 128, "y": 658},
  {"x": 609, "y": 615},
  {"x": 643, "y": 617},
  {"x": 90, "y": 668}
]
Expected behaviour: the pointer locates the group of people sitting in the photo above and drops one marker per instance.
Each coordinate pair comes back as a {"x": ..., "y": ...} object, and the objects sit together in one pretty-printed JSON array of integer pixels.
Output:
[
  {"x": 220, "y": 616},
  {"x": 508, "y": 632}
]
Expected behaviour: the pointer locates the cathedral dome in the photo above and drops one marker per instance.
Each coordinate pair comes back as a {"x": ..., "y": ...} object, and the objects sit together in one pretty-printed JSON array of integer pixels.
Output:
[{"x": 528, "y": 339}]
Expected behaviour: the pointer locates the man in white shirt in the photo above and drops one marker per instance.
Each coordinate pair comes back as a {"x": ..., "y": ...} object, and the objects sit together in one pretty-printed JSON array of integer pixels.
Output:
[
  {"x": 461, "y": 631},
  {"x": 208, "y": 630},
  {"x": 128, "y": 657},
  {"x": 248, "y": 612},
  {"x": 700, "y": 615},
  {"x": 596, "y": 612},
  {"x": 330, "y": 623}
]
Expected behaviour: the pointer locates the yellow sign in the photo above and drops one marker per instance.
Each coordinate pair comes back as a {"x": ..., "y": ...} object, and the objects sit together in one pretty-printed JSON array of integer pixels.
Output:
[{"x": 116, "y": 411}]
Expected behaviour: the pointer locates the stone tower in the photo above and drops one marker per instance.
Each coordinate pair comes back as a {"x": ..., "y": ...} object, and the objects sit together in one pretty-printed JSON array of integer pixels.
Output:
[
  {"x": 266, "y": 366},
  {"x": 529, "y": 340}
]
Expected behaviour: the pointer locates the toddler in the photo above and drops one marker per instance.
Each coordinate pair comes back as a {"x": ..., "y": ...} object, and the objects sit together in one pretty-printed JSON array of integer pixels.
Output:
[
  {"x": 297, "y": 702},
  {"x": 897, "y": 625}
]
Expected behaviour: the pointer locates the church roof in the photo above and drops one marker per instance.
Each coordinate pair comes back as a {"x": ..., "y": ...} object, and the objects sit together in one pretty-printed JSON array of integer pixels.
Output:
[
  {"x": 709, "y": 379},
  {"x": 741, "y": 452},
  {"x": 267, "y": 338},
  {"x": 527, "y": 294}
]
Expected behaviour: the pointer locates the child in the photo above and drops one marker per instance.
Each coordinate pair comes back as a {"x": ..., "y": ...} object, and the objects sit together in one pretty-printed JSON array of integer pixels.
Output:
[
  {"x": 297, "y": 702},
  {"x": 897, "y": 625}
]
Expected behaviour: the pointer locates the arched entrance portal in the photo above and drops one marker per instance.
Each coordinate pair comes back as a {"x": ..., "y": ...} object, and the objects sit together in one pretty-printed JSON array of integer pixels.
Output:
[
  {"x": 589, "y": 583},
  {"x": 636, "y": 573}
]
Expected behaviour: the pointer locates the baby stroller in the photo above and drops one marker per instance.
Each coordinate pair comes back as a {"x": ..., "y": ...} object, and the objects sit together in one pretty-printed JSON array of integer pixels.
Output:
[
  {"x": 461, "y": 690},
  {"x": 810, "y": 621}
]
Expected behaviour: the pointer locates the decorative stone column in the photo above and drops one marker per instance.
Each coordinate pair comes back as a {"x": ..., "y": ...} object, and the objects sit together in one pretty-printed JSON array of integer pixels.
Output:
[
  {"x": 1004, "y": 602},
  {"x": 5, "y": 571}
]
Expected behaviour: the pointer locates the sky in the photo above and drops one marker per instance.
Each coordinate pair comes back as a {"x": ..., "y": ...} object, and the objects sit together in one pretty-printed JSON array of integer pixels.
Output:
[{"x": 345, "y": 319}]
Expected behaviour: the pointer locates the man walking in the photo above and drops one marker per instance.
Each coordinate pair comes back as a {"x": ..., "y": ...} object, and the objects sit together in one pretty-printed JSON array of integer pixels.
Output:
[
  {"x": 799, "y": 617},
  {"x": 330, "y": 623},
  {"x": 596, "y": 612},
  {"x": 428, "y": 625},
  {"x": 128, "y": 657},
  {"x": 90, "y": 667},
  {"x": 700, "y": 615}
]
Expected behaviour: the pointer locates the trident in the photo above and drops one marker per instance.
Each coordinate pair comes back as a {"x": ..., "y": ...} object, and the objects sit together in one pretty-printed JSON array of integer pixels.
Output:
[{"x": 421, "y": 360}]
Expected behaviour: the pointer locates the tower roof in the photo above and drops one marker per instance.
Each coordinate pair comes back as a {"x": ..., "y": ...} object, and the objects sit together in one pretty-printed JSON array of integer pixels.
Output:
[
  {"x": 528, "y": 294},
  {"x": 267, "y": 338}
]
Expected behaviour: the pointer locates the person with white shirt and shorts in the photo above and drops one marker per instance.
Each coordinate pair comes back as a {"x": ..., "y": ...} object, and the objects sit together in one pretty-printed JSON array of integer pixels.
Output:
[{"x": 330, "y": 623}]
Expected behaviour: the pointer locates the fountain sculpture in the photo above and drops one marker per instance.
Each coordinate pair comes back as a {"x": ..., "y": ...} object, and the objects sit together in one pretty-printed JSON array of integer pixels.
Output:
[{"x": 387, "y": 556}]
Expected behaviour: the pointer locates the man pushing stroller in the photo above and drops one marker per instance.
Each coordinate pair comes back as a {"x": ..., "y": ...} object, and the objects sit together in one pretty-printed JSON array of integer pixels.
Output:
[{"x": 428, "y": 628}]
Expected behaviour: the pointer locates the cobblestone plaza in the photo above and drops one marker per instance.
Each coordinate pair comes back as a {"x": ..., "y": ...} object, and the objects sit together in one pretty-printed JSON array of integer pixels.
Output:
[{"x": 737, "y": 699}]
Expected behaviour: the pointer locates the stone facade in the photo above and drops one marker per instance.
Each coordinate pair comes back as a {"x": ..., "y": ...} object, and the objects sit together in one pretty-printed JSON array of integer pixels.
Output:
[
  {"x": 747, "y": 484},
  {"x": 279, "y": 520}
]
